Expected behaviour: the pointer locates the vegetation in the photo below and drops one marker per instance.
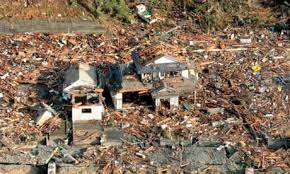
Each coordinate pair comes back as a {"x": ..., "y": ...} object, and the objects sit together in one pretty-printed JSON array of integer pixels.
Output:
[
  {"x": 114, "y": 8},
  {"x": 208, "y": 14},
  {"x": 213, "y": 14}
]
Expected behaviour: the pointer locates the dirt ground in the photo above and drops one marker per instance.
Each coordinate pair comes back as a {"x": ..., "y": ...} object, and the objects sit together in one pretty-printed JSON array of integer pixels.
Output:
[{"x": 42, "y": 9}]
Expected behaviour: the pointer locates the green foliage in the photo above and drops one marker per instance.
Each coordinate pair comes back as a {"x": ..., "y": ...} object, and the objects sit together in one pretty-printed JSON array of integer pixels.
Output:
[
  {"x": 154, "y": 3},
  {"x": 213, "y": 14},
  {"x": 115, "y": 8},
  {"x": 123, "y": 12}
]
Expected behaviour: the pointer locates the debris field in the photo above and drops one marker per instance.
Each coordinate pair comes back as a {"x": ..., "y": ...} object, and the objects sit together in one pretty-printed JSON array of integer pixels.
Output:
[{"x": 237, "y": 119}]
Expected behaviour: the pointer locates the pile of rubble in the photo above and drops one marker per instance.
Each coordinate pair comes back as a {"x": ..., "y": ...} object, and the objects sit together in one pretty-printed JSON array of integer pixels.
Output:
[{"x": 236, "y": 120}]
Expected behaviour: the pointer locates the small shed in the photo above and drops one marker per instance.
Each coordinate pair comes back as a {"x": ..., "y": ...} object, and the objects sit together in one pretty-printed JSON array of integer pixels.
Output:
[{"x": 165, "y": 94}]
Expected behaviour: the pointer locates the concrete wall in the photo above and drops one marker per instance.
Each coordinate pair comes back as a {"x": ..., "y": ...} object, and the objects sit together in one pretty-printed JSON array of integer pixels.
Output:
[
  {"x": 81, "y": 113},
  {"x": 117, "y": 100},
  {"x": 185, "y": 74},
  {"x": 194, "y": 74},
  {"x": 51, "y": 168},
  {"x": 157, "y": 102},
  {"x": 174, "y": 101}
]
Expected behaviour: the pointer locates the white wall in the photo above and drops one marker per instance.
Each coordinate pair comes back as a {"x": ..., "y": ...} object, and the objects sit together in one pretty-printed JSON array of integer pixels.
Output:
[
  {"x": 96, "y": 114},
  {"x": 194, "y": 73},
  {"x": 157, "y": 102},
  {"x": 174, "y": 101},
  {"x": 185, "y": 74},
  {"x": 117, "y": 100},
  {"x": 43, "y": 117}
]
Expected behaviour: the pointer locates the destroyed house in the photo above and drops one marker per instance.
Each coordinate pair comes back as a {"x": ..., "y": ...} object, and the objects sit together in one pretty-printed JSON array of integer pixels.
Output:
[
  {"x": 144, "y": 77},
  {"x": 82, "y": 86},
  {"x": 163, "y": 94},
  {"x": 156, "y": 68},
  {"x": 124, "y": 80},
  {"x": 166, "y": 92}
]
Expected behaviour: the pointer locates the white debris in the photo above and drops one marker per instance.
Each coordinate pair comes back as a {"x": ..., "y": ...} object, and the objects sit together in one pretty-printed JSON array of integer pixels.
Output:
[
  {"x": 268, "y": 115},
  {"x": 218, "y": 110},
  {"x": 163, "y": 126},
  {"x": 4, "y": 76},
  {"x": 249, "y": 171},
  {"x": 43, "y": 117},
  {"x": 151, "y": 116},
  {"x": 141, "y": 8},
  {"x": 245, "y": 40}
]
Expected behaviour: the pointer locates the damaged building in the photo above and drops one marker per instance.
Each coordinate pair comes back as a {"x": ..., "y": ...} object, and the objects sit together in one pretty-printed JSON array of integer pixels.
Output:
[
  {"x": 83, "y": 89},
  {"x": 125, "y": 81},
  {"x": 164, "y": 77}
]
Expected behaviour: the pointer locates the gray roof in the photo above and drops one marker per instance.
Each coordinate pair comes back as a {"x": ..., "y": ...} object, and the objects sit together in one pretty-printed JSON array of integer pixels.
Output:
[
  {"x": 83, "y": 72},
  {"x": 144, "y": 66},
  {"x": 164, "y": 67}
]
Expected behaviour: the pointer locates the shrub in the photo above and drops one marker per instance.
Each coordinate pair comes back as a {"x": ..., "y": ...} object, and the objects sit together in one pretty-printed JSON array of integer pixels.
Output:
[{"x": 115, "y": 8}]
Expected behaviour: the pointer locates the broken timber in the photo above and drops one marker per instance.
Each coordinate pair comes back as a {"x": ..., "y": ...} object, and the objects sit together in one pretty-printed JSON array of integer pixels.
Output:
[{"x": 22, "y": 26}]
